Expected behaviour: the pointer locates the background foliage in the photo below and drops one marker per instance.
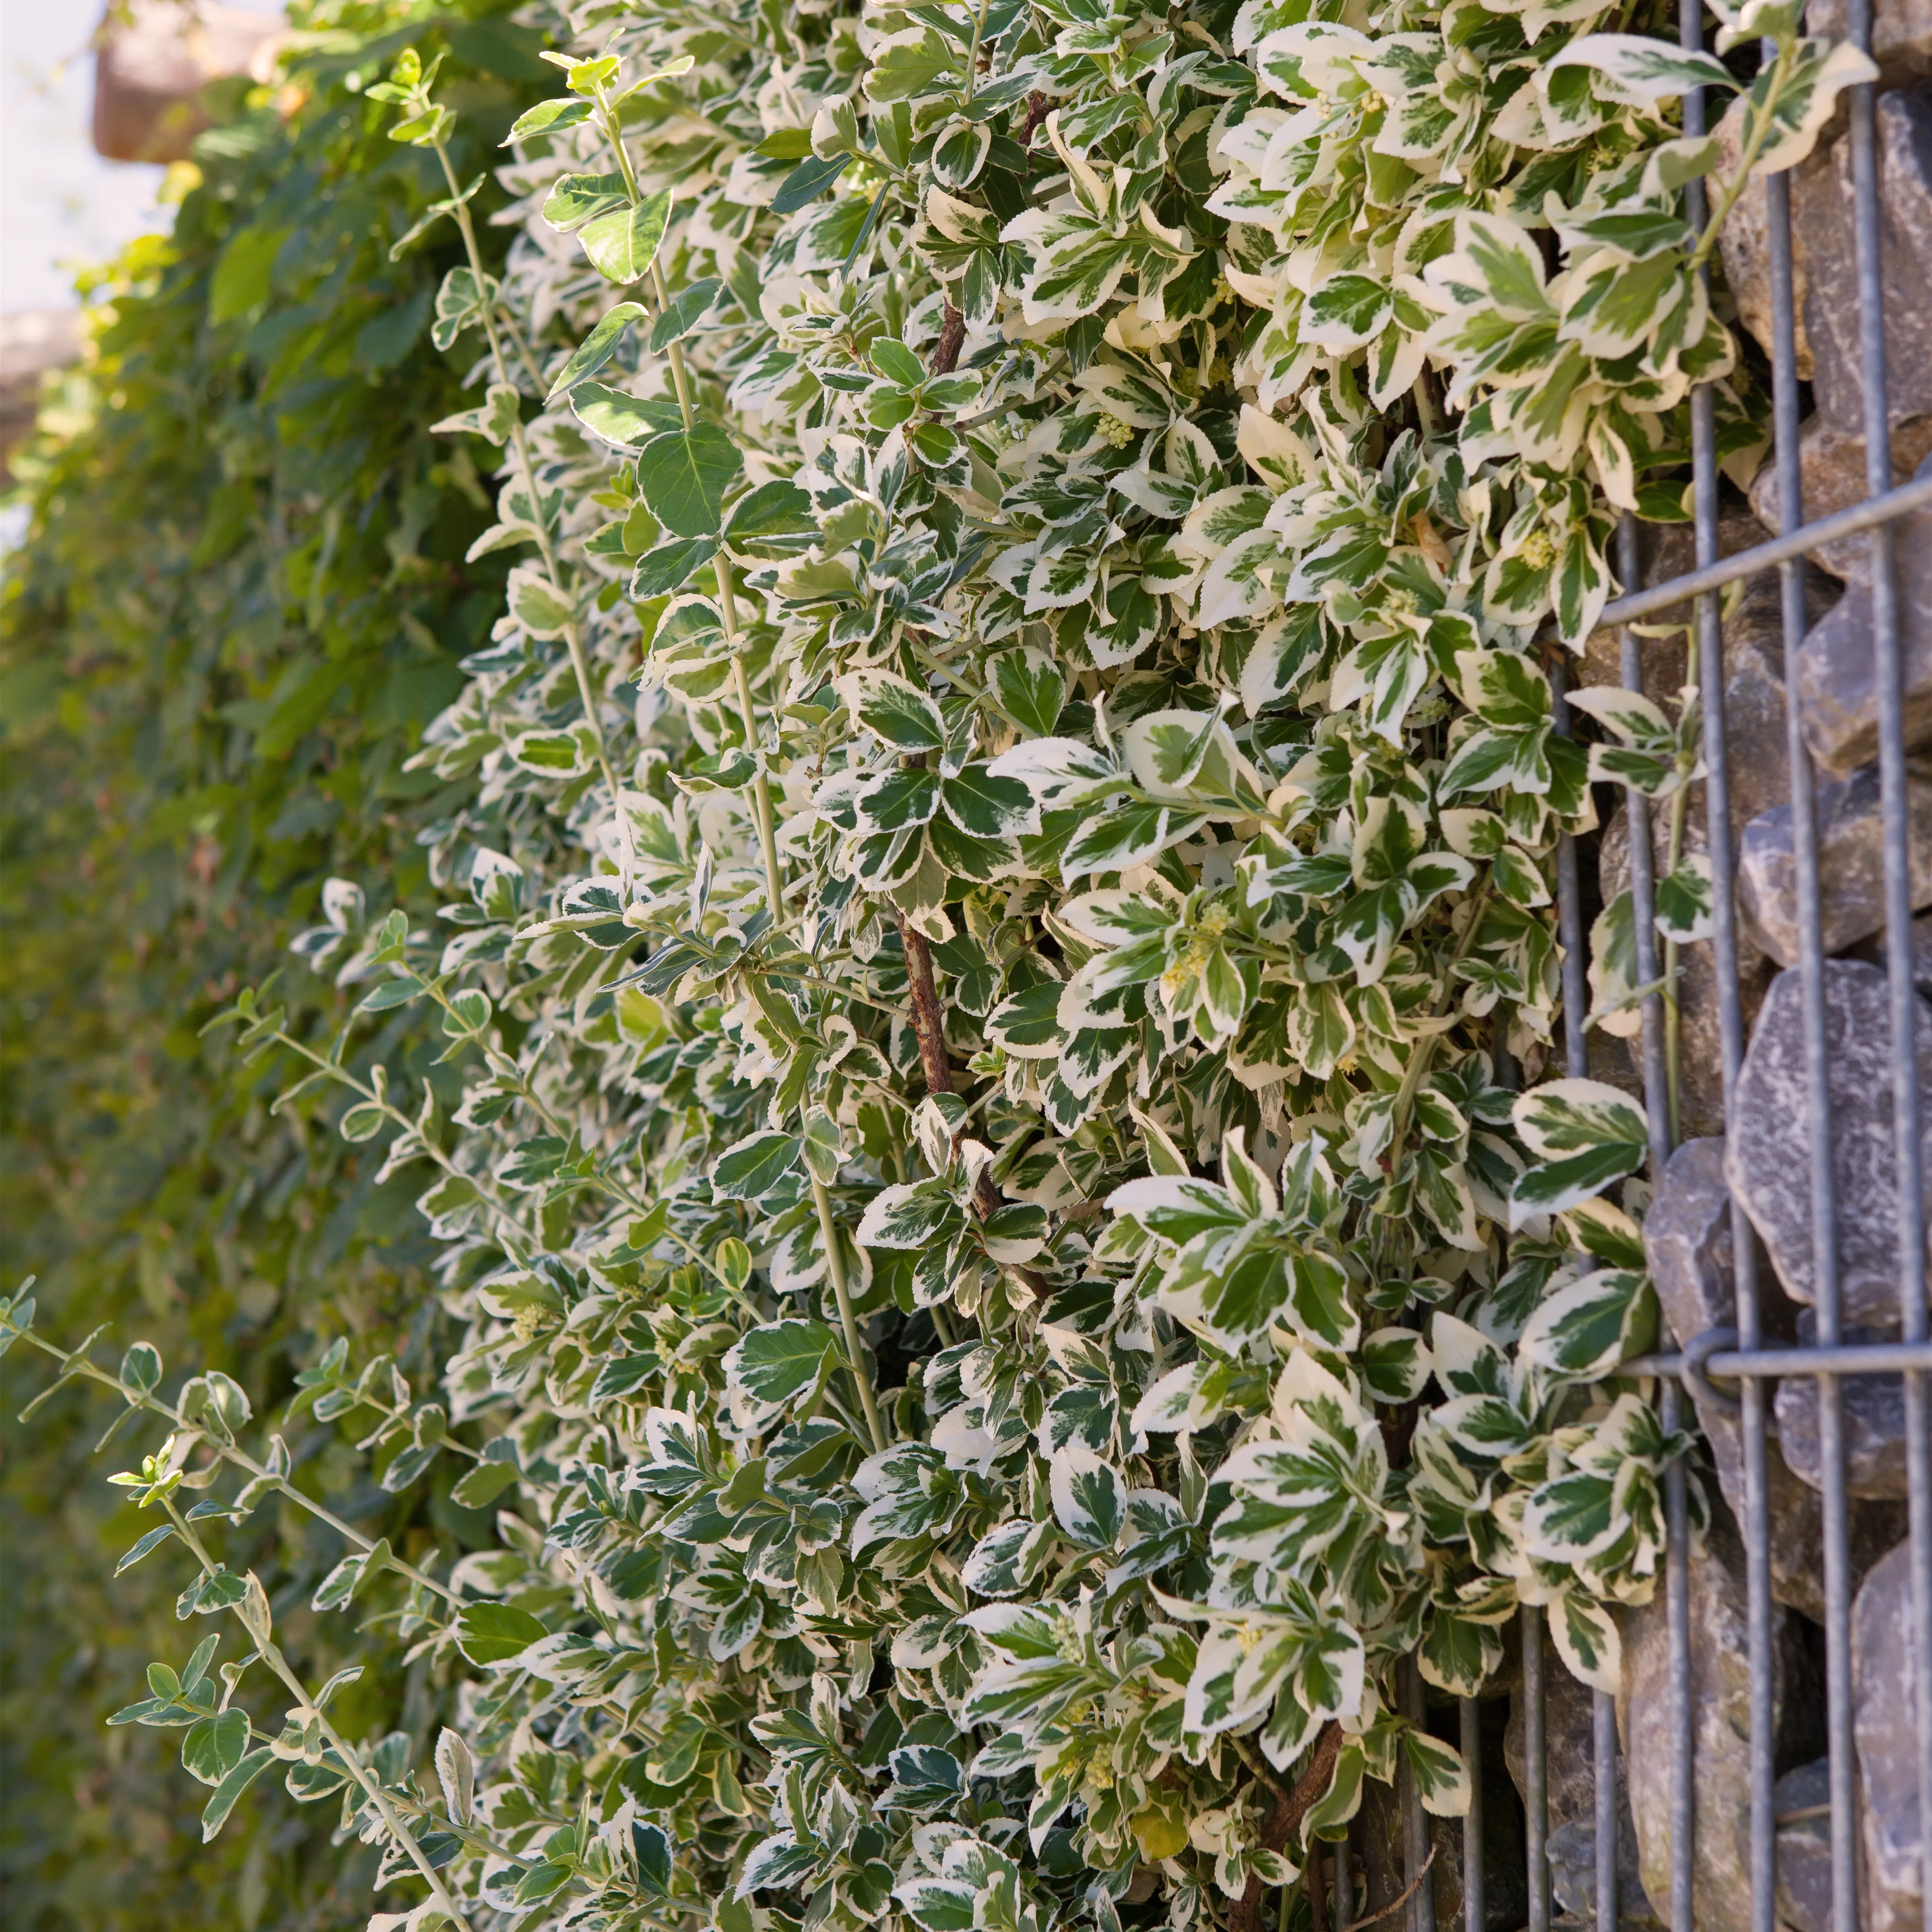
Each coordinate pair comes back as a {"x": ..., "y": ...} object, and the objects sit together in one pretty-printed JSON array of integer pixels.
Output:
[{"x": 243, "y": 596}]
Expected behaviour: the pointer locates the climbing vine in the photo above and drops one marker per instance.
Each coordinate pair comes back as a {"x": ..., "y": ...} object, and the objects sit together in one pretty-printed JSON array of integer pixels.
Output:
[{"x": 1014, "y": 1256}]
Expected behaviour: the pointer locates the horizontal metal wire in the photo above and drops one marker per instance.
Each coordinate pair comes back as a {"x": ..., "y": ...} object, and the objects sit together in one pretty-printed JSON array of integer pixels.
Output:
[
  {"x": 1916, "y": 495},
  {"x": 1843, "y": 1358}
]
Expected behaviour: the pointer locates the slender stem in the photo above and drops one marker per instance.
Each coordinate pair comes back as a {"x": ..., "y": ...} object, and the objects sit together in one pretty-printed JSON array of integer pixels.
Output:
[
  {"x": 761, "y": 789},
  {"x": 972, "y": 55},
  {"x": 271, "y": 1655},
  {"x": 835, "y": 1261},
  {"x": 77, "y": 1364},
  {"x": 1767, "y": 118},
  {"x": 430, "y": 1150},
  {"x": 573, "y": 633},
  {"x": 1424, "y": 1052}
]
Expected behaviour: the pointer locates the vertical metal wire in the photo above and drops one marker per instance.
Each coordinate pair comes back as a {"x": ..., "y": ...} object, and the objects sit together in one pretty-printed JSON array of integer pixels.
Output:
[
  {"x": 1785, "y": 404},
  {"x": 1535, "y": 1770},
  {"x": 1677, "y": 1612},
  {"x": 1730, "y": 1023},
  {"x": 1888, "y": 676},
  {"x": 1345, "y": 1881},
  {"x": 1603, "y": 1764},
  {"x": 1471, "y": 1714},
  {"x": 1576, "y": 1063},
  {"x": 1576, "y": 1054},
  {"x": 1414, "y": 1820},
  {"x": 1642, "y": 881}
]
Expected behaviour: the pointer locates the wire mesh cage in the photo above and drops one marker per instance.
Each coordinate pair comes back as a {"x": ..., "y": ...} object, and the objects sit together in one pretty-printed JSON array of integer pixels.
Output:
[{"x": 1839, "y": 1840}]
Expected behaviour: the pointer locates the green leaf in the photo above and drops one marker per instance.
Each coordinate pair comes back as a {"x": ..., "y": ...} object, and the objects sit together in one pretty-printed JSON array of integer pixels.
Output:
[
  {"x": 548, "y": 117},
  {"x": 898, "y": 711},
  {"x": 1458, "y": 1654},
  {"x": 215, "y": 1746},
  {"x": 1586, "y": 1329},
  {"x": 1441, "y": 1778},
  {"x": 683, "y": 477},
  {"x": 1640, "y": 69},
  {"x": 489, "y": 1633},
  {"x": 807, "y": 181},
  {"x": 671, "y": 566},
  {"x": 1031, "y": 689},
  {"x": 624, "y": 420},
  {"x": 141, "y": 1369},
  {"x": 595, "y": 350},
  {"x": 480, "y": 1486},
  {"x": 622, "y": 245},
  {"x": 751, "y": 1168},
  {"x": 683, "y": 312},
  {"x": 152, "y": 1540},
  {"x": 1587, "y": 1134},
  {"x": 228, "y": 1793},
  {"x": 575, "y": 199},
  {"x": 771, "y": 519},
  {"x": 1090, "y": 1497},
  {"x": 773, "y": 1363}
]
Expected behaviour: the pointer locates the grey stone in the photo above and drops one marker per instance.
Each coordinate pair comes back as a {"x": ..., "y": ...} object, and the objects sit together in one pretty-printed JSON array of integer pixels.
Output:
[
  {"x": 1721, "y": 1729},
  {"x": 1851, "y": 865},
  {"x": 1873, "y": 1433},
  {"x": 1823, "y": 218},
  {"x": 1767, "y": 1158},
  {"x": 1901, "y": 36},
  {"x": 1803, "y": 1847},
  {"x": 1686, "y": 1243},
  {"x": 1832, "y": 462},
  {"x": 1872, "y": 951},
  {"x": 1837, "y": 672},
  {"x": 1885, "y": 1721}
]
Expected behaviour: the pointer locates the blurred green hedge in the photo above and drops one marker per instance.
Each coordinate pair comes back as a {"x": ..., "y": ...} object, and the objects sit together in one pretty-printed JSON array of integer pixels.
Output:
[{"x": 241, "y": 596}]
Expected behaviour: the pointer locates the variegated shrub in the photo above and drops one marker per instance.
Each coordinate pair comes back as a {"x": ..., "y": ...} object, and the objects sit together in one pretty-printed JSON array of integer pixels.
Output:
[{"x": 1002, "y": 1280}]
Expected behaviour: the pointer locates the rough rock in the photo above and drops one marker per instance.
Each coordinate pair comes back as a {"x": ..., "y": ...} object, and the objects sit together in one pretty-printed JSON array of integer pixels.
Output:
[
  {"x": 1885, "y": 1719},
  {"x": 1832, "y": 461},
  {"x": 1838, "y": 688},
  {"x": 1872, "y": 951},
  {"x": 1901, "y": 36},
  {"x": 152, "y": 64},
  {"x": 1687, "y": 1245},
  {"x": 1823, "y": 218},
  {"x": 1767, "y": 1158},
  {"x": 1669, "y": 551},
  {"x": 1721, "y": 1721},
  {"x": 1803, "y": 1847},
  {"x": 1873, "y": 1432},
  {"x": 1851, "y": 865}
]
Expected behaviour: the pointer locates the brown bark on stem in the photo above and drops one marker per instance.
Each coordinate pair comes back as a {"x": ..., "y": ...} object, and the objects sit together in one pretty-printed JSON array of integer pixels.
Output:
[
  {"x": 952, "y": 338},
  {"x": 928, "y": 1027},
  {"x": 1038, "y": 108},
  {"x": 1284, "y": 1820}
]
